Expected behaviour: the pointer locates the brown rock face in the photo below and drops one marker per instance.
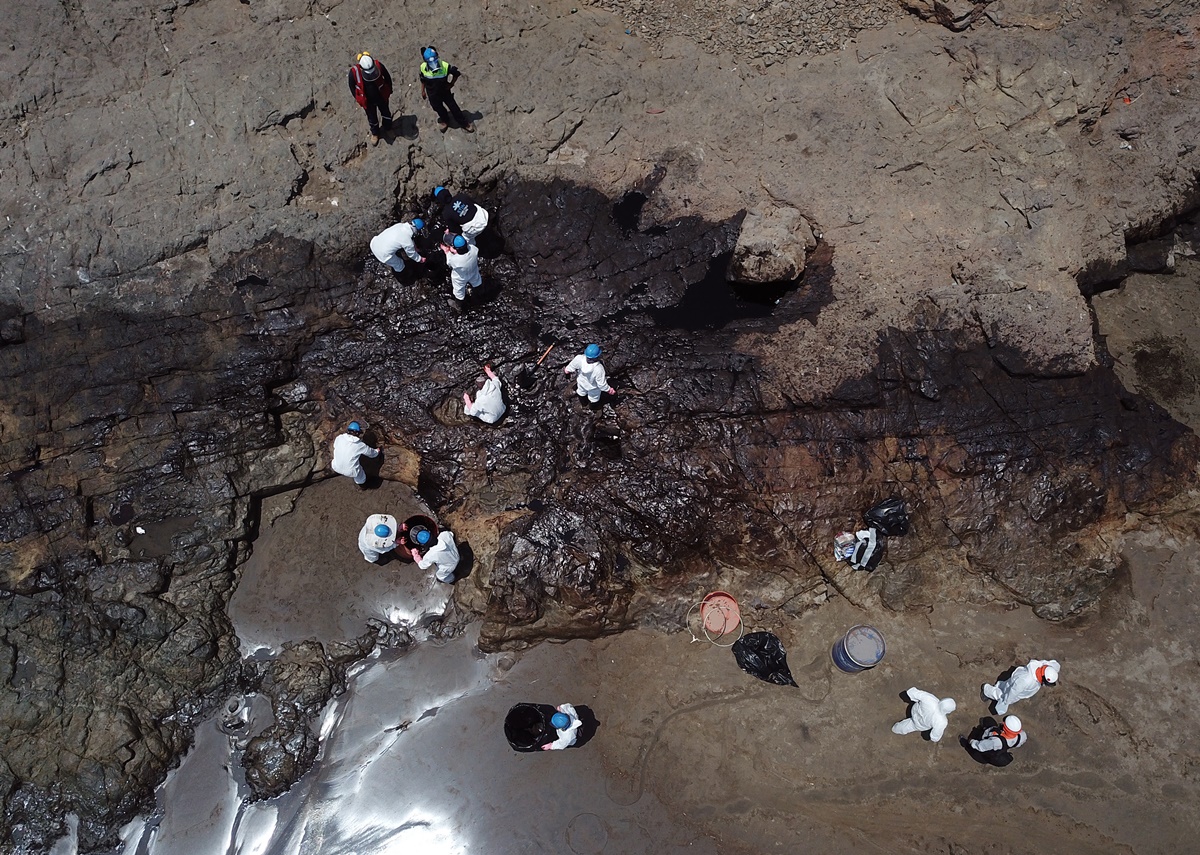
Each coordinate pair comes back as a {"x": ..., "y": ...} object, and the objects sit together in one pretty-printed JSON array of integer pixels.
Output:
[{"x": 599, "y": 518}]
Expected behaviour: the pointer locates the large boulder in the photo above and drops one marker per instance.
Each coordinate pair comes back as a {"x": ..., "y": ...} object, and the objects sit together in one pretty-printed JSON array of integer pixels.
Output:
[{"x": 772, "y": 247}]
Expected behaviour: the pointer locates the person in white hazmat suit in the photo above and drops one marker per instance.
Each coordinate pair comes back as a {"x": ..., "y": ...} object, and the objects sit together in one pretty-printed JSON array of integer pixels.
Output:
[
  {"x": 388, "y": 244},
  {"x": 461, "y": 213},
  {"x": 443, "y": 555},
  {"x": 1001, "y": 737},
  {"x": 1024, "y": 683},
  {"x": 590, "y": 380},
  {"x": 566, "y": 723},
  {"x": 929, "y": 712},
  {"x": 488, "y": 405},
  {"x": 347, "y": 449},
  {"x": 462, "y": 258},
  {"x": 378, "y": 536}
]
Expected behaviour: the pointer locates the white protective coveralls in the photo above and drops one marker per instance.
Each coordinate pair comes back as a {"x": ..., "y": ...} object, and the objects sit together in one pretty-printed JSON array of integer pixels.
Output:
[
  {"x": 347, "y": 448},
  {"x": 444, "y": 554},
  {"x": 371, "y": 545},
  {"x": 464, "y": 270},
  {"x": 387, "y": 244},
  {"x": 489, "y": 403},
  {"x": 568, "y": 735},
  {"x": 1021, "y": 685},
  {"x": 929, "y": 713},
  {"x": 590, "y": 381},
  {"x": 471, "y": 229},
  {"x": 993, "y": 741}
]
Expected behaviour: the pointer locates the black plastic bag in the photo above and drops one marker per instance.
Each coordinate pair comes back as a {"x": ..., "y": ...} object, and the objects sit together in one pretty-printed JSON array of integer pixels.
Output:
[
  {"x": 868, "y": 550},
  {"x": 889, "y": 516},
  {"x": 527, "y": 726},
  {"x": 761, "y": 655}
]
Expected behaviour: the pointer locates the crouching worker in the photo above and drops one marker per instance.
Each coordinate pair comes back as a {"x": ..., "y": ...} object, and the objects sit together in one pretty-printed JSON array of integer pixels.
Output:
[
  {"x": 566, "y": 722},
  {"x": 389, "y": 243},
  {"x": 443, "y": 555},
  {"x": 488, "y": 405},
  {"x": 378, "y": 536},
  {"x": 348, "y": 448},
  {"x": 996, "y": 742}
]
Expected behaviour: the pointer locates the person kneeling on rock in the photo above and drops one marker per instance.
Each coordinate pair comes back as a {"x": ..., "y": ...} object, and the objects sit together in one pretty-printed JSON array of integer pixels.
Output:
[
  {"x": 995, "y": 743},
  {"x": 489, "y": 403},
  {"x": 378, "y": 536},
  {"x": 443, "y": 554},
  {"x": 566, "y": 722},
  {"x": 347, "y": 449}
]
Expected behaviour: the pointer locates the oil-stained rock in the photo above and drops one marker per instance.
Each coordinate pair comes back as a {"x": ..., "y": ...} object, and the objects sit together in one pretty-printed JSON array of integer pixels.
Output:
[{"x": 136, "y": 445}]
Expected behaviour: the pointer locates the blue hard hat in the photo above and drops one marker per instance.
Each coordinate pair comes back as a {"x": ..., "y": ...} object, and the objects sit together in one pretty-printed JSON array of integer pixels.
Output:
[
  {"x": 422, "y": 536},
  {"x": 355, "y": 426},
  {"x": 592, "y": 351},
  {"x": 382, "y": 530},
  {"x": 418, "y": 223},
  {"x": 560, "y": 720},
  {"x": 439, "y": 189},
  {"x": 430, "y": 53},
  {"x": 459, "y": 241}
]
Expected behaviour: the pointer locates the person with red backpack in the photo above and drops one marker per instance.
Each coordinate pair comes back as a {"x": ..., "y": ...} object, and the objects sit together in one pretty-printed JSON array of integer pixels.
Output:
[{"x": 371, "y": 86}]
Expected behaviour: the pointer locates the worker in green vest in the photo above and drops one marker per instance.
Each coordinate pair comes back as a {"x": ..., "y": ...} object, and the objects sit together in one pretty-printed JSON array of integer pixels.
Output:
[{"x": 437, "y": 83}]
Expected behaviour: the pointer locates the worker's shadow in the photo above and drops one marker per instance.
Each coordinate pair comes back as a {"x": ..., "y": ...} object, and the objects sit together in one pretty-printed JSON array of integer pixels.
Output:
[
  {"x": 1004, "y": 675},
  {"x": 471, "y": 116},
  {"x": 466, "y": 560},
  {"x": 589, "y": 724},
  {"x": 372, "y": 465},
  {"x": 487, "y": 292},
  {"x": 490, "y": 241},
  {"x": 988, "y": 758},
  {"x": 403, "y": 127}
]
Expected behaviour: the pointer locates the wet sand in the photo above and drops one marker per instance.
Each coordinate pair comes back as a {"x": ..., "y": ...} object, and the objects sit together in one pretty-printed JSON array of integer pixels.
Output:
[
  {"x": 691, "y": 754},
  {"x": 307, "y": 579}
]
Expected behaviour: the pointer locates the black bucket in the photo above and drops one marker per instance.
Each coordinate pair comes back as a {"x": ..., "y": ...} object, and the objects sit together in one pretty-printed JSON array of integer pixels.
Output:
[
  {"x": 525, "y": 727},
  {"x": 416, "y": 524}
]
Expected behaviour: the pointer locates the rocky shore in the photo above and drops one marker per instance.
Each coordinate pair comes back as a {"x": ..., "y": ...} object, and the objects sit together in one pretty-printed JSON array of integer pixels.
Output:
[{"x": 186, "y": 319}]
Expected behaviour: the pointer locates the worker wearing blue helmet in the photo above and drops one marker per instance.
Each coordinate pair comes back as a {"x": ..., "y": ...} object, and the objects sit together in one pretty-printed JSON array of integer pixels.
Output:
[
  {"x": 348, "y": 448},
  {"x": 389, "y": 243},
  {"x": 590, "y": 380},
  {"x": 378, "y": 536},
  {"x": 462, "y": 257},
  {"x": 437, "y": 84},
  {"x": 461, "y": 214},
  {"x": 442, "y": 555},
  {"x": 566, "y": 724}
]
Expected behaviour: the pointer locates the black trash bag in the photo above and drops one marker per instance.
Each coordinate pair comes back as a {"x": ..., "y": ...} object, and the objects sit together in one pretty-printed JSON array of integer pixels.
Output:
[
  {"x": 761, "y": 655},
  {"x": 889, "y": 516},
  {"x": 868, "y": 550},
  {"x": 526, "y": 727}
]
